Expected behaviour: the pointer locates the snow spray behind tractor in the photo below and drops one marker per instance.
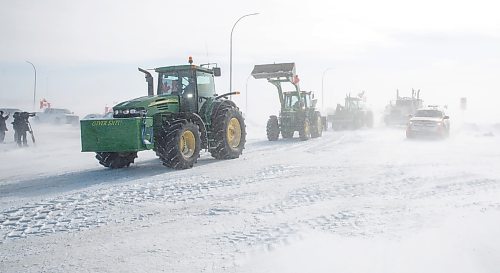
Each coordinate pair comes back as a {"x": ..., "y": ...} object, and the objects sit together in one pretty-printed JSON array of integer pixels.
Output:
[
  {"x": 183, "y": 117},
  {"x": 298, "y": 112}
]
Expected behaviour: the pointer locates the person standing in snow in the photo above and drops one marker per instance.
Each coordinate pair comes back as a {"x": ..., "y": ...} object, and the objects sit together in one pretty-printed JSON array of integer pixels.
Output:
[
  {"x": 3, "y": 126},
  {"x": 21, "y": 126}
]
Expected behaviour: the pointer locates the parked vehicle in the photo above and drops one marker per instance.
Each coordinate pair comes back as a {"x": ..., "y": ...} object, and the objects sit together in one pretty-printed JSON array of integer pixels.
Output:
[
  {"x": 430, "y": 121},
  {"x": 57, "y": 116},
  {"x": 92, "y": 116}
]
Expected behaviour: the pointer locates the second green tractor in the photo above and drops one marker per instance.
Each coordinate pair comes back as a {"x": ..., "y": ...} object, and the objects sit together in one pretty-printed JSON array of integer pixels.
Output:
[{"x": 298, "y": 112}]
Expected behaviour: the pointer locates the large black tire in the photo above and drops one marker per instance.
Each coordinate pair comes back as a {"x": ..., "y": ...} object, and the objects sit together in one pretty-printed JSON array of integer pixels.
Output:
[
  {"x": 178, "y": 144},
  {"x": 317, "y": 126},
  {"x": 116, "y": 160},
  {"x": 273, "y": 128},
  {"x": 305, "y": 131},
  {"x": 229, "y": 132}
]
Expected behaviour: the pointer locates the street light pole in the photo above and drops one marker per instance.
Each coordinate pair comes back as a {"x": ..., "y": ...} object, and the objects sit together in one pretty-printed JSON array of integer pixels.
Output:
[
  {"x": 322, "y": 90},
  {"x": 231, "y": 52},
  {"x": 34, "y": 88}
]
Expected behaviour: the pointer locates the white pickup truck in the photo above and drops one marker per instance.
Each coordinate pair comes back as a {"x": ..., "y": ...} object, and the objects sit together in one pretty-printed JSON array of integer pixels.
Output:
[{"x": 57, "y": 116}]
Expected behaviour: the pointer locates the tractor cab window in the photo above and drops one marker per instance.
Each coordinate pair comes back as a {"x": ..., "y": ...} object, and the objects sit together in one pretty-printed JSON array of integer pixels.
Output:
[
  {"x": 168, "y": 84},
  {"x": 175, "y": 83},
  {"x": 205, "y": 84},
  {"x": 292, "y": 101}
]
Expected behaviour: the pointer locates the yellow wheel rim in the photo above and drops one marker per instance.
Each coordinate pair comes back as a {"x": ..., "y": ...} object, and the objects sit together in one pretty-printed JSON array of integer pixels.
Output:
[
  {"x": 233, "y": 133},
  {"x": 187, "y": 144}
]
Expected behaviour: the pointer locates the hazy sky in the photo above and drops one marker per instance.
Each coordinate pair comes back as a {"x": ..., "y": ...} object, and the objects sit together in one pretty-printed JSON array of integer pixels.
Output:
[{"x": 87, "y": 52}]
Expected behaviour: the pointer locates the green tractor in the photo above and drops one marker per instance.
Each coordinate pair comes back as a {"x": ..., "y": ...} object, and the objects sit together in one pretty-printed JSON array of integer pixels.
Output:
[
  {"x": 185, "y": 116},
  {"x": 298, "y": 112}
]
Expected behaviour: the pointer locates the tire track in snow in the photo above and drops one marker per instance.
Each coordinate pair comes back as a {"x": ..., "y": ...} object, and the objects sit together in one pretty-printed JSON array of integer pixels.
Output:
[
  {"x": 86, "y": 210},
  {"x": 365, "y": 219}
]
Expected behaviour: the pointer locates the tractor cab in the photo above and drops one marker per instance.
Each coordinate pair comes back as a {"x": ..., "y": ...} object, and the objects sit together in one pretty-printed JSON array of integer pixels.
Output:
[
  {"x": 297, "y": 100},
  {"x": 192, "y": 84}
]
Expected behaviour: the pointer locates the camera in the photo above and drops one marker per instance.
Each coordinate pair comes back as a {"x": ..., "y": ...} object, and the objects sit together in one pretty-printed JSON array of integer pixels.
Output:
[{"x": 26, "y": 115}]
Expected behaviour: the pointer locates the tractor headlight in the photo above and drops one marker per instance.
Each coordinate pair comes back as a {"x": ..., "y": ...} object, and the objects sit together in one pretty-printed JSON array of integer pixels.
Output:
[
  {"x": 117, "y": 112},
  {"x": 133, "y": 111},
  {"x": 125, "y": 112},
  {"x": 439, "y": 123}
]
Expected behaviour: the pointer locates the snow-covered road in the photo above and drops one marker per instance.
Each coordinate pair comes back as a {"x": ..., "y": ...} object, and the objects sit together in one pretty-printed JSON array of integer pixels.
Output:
[{"x": 353, "y": 201}]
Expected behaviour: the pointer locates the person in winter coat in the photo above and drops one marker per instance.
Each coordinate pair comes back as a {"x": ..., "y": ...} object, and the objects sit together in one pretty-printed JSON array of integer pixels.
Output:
[
  {"x": 3, "y": 126},
  {"x": 21, "y": 126}
]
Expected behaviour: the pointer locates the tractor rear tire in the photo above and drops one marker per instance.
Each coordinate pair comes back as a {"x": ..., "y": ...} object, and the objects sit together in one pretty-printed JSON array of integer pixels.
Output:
[
  {"x": 229, "y": 132},
  {"x": 317, "y": 127},
  {"x": 305, "y": 131},
  {"x": 178, "y": 144},
  {"x": 115, "y": 160},
  {"x": 273, "y": 128}
]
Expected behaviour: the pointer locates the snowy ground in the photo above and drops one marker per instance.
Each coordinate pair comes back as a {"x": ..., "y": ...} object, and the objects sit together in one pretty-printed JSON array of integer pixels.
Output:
[{"x": 353, "y": 201}]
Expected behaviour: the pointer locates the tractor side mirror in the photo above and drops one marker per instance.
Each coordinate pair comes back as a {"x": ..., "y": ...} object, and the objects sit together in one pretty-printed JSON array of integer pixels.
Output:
[
  {"x": 446, "y": 117},
  {"x": 217, "y": 72}
]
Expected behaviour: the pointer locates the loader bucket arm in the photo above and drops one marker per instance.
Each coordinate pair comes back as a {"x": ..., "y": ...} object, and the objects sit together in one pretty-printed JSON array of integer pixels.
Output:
[{"x": 276, "y": 74}]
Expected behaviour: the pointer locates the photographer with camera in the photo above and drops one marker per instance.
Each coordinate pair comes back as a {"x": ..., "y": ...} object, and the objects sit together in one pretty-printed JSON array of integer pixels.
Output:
[{"x": 22, "y": 125}]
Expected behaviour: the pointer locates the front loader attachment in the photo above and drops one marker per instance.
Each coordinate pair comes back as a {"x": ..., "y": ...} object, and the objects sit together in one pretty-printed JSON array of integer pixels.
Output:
[
  {"x": 276, "y": 74},
  {"x": 270, "y": 71}
]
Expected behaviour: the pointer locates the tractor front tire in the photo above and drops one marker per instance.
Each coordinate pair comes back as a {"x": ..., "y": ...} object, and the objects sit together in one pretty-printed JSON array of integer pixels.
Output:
[
  {"x": 115, "y": 160},
  {"x": 178, "y": 144},
  {"x": 273, "y": 128},
  {"x": 305, "y": 131},
  {"x": 229, "y": 132}
]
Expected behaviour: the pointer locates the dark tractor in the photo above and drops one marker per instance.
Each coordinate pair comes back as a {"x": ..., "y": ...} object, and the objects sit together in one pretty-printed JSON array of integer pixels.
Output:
[
  {"x": 298, "y": 112},
  {"x": 185, "y": 116},
  {"x": 353, "y": 115}
]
